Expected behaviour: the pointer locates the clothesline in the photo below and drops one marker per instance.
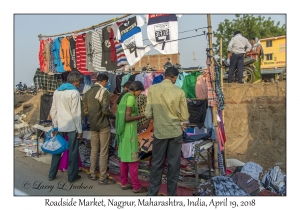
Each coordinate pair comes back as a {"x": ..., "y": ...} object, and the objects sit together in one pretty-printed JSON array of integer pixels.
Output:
[{"x": 86, "y": 29}]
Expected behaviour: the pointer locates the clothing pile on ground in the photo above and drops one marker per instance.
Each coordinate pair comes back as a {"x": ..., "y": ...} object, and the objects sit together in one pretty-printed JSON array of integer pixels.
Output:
[{"x": 246, "y": 180}]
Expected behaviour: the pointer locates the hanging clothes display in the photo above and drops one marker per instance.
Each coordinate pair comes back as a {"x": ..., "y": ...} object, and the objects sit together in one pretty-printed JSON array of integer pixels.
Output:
[
  {"x": 56, "y": 51},
  {"x": 197, "y": 111},
  {"x": 148, "y": 81},
  {"x": 118, "y": 83},
  {"x": 64, "y": 54},
  {"x": 52, "y": 68},
  {"x": 132, "y": 77},
  {"x": 121, "y": 58},
  {"x": 97, "y": 47},
  {"x": 125, "y": 78},
  {"x": 72, "y": 41},
  {"x": 189, "y": 84},
  {"x": 41, "y": 55},
  {"x": 47, "y": 82},
  {"x": 158, "y": 79},
  {"x": 162, "y": 32},
  {"x": 180, "y": 79},
  {"x": 81, "y": 54},
  {"x": 130, "y": 35},
  {"x": 89, "y": 52},
  {"x": 112, "y": 79},
  {"x": 106, "y": 50},
  {"x": 220, "y": 98},
  {"x": 201, "y": 87},
  {"x": 47, "y": 51},
  {"x": 141, "y": 77}
]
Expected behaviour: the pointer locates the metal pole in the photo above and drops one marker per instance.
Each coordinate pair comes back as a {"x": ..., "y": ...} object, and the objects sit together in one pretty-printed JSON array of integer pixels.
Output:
[{"x": 216, "y": 142}]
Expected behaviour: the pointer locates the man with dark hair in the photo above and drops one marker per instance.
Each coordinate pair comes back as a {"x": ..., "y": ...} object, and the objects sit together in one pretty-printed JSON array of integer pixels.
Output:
[
  {"x": 125, "y": 90},
  {"x": 96, "y": 108},
  {"x": 167, "y": 106},
  {"x": 236, "y": 48},
  {"x": 66, "y": 117}
]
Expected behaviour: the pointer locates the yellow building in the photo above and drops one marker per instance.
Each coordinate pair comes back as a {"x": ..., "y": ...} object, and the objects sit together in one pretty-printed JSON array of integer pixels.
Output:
[{"x": 275, "y": 54}]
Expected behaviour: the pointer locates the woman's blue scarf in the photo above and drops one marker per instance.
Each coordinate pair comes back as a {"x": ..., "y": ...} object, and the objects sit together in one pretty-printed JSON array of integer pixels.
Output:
[{"x": 66, "y": 86}]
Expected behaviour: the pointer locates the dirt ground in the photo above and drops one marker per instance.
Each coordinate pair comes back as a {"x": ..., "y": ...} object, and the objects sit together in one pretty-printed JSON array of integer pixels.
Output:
[
  {"x": 28, "y": 105},
  {"x": 255, "y": 121}
]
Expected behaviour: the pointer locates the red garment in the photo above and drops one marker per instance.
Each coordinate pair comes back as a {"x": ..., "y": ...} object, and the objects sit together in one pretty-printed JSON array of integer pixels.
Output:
[
  {"x": 42, "y": 59},
  {"x": 81, "y": 54},
  {"x": 113, "y": 53}
]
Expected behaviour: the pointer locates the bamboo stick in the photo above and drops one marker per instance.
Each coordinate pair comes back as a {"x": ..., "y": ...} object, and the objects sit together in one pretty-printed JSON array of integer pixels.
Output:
[
  {"x": 214, "y": 111},
  {"x": 86, "y": 29}
]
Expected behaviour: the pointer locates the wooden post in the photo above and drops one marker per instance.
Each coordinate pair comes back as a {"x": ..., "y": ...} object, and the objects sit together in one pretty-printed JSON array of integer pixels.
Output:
[
  {"x": 214, "y": 111},
  {"x": 222, "y": 82}
]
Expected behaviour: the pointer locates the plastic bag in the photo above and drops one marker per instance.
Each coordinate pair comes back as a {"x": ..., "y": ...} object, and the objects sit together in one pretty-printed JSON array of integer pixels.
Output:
[{"x": 56, "y": 145}]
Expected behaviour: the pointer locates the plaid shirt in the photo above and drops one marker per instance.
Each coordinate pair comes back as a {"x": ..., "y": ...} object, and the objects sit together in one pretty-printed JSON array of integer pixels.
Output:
[
  {"x": 211, "y": 95},
  {"x": 47, "y": 82}
]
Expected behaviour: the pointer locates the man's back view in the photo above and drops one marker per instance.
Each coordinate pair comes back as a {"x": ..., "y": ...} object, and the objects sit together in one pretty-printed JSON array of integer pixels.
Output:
[{"x": 167, "y": 106}]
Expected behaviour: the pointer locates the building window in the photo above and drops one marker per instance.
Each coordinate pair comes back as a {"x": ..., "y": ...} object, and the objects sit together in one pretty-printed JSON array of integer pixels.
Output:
[
  {"x": 269, "y": 43},
  {"x": 269, "y": 57}
]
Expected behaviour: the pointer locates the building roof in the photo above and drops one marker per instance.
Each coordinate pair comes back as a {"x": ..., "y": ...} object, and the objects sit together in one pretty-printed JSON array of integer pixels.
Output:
[{"x": 271, "y": 38}]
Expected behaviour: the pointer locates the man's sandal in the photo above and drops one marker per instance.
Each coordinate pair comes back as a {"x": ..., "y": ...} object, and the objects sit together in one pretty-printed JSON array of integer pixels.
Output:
[
  {"x": 92, "y": 178},
  {"x": 107, "y": 181}
]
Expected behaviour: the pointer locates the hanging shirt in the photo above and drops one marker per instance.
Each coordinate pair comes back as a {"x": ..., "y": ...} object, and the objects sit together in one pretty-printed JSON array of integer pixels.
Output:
[
  {"x": 112, "y": 80},
  {"x": 132, "y": 77},
  {"x": 72, "y": 52},
  {"x": 64, "y": 54},
  {"x": 125, "y": 78},
  {"x": 162, "y": 32},
  {"x": 141, "y": 77},
  {"x": 118, "y": 83},
  {"x": 89, "y": 52},
  {"x": 41, "y": 55},
  {"x": 106, "y": 49},
  {"x": 148, "y": 82},
  {"x": 97, "y": 46},
  {"x": 158, "y": 79},
  {"x": 201, "y": 87},
  {"x": 180, "y": 79},
  {"x": 121, "y": 57},
  {"x": 51, "y": 62},
  {"x": 81, "y": 54},
  {"x": 56, "y": 50},
  {"x": 47, "y": 51},
  {"x": 189, "y": 84},
  {"x": 130, "y": 36}
]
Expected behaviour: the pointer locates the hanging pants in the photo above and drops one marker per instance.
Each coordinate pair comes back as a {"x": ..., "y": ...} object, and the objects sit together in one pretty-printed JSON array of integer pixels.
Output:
[
  {"x": 159, "y": 149},
  {"x": 72, "y": 159},
  {"x": 236, "y": 61},
  {"x": 133, "y": 170}
]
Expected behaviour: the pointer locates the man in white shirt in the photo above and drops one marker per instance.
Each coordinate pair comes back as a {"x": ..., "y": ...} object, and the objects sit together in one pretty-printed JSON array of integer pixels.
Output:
[
  {"x": 237, "y": 49},
  {"x": 66, "y": 118}
]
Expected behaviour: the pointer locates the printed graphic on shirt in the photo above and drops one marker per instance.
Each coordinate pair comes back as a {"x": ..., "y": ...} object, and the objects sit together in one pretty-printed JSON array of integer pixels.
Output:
[
  {"x": 162, "y": 31},
  {"x": 130, "y": 36}
]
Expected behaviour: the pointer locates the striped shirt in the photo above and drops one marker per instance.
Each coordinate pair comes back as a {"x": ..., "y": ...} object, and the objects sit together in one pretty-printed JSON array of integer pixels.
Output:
[
  {"x": 81, "y": 54},
  {"x": 97, "y": 47}
]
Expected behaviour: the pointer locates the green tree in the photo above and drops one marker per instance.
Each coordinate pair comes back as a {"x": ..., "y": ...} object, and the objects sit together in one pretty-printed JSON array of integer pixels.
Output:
[{"x": 250, "y": 26}]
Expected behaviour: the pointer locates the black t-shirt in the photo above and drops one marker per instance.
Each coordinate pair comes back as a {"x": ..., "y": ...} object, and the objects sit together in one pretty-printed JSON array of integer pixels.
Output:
[
  {"x": 106, "y": 50},
  {"x": 72, "y": 52}
]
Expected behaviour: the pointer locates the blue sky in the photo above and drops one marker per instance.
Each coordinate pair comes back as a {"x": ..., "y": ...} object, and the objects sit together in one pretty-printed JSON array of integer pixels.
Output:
[{"x": 28, "y": 27}]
